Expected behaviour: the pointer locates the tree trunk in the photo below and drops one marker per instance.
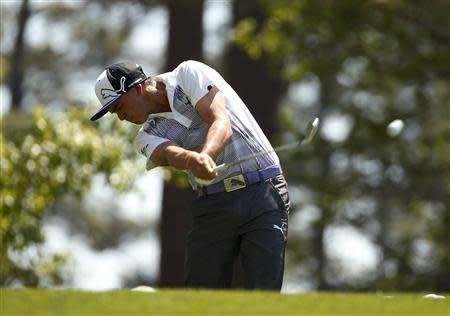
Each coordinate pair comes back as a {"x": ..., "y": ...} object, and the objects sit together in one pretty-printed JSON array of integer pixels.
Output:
[
  {"x": 185, "y": 42},
  {"x": 17, "y": 65},
  {"x": 257, "y": 81},
  {"x": 185, "y": 32},
  {"x": 173, "y": 231}
]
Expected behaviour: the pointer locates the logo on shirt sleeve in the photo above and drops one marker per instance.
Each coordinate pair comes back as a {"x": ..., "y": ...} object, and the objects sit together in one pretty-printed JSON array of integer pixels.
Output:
[{"x": 144, "y": 150}]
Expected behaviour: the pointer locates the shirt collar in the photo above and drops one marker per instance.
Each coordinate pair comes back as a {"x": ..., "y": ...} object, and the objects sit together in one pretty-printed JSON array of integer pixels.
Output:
[
  {"x": 170, "y": 80},
  {"x": 168, "y": 115}
]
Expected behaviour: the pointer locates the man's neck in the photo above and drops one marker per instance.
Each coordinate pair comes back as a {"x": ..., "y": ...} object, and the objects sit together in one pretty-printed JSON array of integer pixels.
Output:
[{"x": 160, "y": 97}]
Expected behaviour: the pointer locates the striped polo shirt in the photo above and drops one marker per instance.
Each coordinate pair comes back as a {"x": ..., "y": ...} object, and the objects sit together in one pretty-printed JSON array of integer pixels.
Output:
[{"x": 185, "y": 86}]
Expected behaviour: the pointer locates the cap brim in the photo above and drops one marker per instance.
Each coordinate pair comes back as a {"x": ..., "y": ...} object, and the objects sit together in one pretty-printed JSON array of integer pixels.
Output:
[{"x": 104, "y": 109}]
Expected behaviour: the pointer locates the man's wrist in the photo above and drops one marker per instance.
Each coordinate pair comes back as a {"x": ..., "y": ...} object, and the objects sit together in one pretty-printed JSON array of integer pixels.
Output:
[
  {"x": 206, "y": 151},
  {"x": 189, "y": 157}
]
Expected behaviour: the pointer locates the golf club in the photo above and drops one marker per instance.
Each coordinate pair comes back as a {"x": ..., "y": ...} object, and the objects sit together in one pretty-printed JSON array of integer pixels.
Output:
[{"x": 310, "y": 132}]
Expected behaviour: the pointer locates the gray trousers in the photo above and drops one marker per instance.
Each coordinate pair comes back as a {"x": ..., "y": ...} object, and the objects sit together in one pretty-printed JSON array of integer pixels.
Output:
[{"x": 252, "y": 222}]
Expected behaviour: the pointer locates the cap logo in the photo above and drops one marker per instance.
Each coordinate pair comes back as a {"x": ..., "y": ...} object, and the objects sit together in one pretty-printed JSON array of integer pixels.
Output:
[{"x": 109, "y": 93}]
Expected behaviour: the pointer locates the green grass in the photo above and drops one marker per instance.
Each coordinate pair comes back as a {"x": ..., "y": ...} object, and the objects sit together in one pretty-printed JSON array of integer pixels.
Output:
[{"x": 194, "y": 302}]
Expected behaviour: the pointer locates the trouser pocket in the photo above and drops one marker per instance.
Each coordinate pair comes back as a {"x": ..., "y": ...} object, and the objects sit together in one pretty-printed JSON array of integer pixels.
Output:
[{"x": 279, "y": 184}]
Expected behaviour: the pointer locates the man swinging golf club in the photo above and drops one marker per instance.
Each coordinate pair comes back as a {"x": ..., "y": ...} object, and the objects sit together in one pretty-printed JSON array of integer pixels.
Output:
[{"x": 193, "y": 120}]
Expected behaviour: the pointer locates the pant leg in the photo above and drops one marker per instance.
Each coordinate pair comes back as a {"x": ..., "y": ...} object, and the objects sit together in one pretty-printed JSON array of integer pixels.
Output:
[
  {"x": 210, "y": 266},
  {"x": 262, "y": 252},
  {"x": 264, "y": 236},
  {"x": 212, "y": 244}
]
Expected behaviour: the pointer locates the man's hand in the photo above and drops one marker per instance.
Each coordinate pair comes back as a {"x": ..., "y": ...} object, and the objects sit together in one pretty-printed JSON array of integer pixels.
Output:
[{"x": 201, "y": 165}]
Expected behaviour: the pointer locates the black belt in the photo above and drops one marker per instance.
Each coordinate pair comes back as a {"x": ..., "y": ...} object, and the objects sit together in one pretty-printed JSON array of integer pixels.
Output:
[{"x": 240, "y": 181}]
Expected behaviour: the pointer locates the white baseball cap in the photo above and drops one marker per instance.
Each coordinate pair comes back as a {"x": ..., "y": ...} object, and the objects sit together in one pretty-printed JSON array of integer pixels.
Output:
[{"x": 115, "y": 81}]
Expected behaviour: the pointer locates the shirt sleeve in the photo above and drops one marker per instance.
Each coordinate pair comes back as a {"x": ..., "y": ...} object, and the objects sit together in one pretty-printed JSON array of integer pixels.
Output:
[
  {"x": 146, "y": 143},
  {"x": 195, "y": 78}
]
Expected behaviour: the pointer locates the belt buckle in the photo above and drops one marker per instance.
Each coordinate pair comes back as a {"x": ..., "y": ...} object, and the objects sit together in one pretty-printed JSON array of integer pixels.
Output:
[{"x": 234, "y": 183}]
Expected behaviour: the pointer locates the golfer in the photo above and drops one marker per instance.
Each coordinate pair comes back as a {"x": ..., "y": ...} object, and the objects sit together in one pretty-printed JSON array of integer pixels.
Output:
[{"x": 193, "y": 120}]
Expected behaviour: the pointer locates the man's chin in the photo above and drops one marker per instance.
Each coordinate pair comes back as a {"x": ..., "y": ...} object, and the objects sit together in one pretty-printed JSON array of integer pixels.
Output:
[{"x": 137, "y": 122}]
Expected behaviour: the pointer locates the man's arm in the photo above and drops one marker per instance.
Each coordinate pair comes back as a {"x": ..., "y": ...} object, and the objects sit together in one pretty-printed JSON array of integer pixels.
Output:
[
  {"x": 170, "y": 154},
  {"x": 212, "y": 110}
]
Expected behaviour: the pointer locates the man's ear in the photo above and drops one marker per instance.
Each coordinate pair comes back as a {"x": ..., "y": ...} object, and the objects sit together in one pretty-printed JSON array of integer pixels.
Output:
[{"x": 139, "y": 88}]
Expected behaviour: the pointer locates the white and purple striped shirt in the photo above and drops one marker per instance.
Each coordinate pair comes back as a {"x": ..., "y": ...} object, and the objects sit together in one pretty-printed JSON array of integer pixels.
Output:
[{"x": 185, "y": 86}]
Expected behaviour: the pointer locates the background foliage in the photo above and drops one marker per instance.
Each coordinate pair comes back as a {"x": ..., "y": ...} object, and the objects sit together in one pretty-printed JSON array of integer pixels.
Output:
[
  {"x": 375, "y": 61},
  {"x": 51, "y": 159}
]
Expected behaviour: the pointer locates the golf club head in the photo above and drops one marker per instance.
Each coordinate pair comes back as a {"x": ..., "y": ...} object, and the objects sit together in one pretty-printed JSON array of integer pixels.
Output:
[{"x": 311, "y": 131}]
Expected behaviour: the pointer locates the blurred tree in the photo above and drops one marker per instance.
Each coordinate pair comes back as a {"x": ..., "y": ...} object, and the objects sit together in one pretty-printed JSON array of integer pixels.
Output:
[
  {"x": 50, "y": 159},
  {"x": 257, "y": 80},
  {"x": 17, "y": 67},
  {"x": 375, "y": 61},
  {"x": 45, "y": 67},
  {"x": 76, "y": 41},
  {"x": 185, "y": 31}
]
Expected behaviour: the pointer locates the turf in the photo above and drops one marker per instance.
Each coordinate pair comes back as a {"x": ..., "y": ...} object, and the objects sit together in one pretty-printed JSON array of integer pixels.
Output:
[{"x": 195, "y": 302}]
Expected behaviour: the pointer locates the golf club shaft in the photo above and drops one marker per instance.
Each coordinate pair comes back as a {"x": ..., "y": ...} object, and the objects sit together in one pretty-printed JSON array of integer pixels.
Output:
[
  {"x": 309, "y": 135},
  {"x": 225, "y": 166}
]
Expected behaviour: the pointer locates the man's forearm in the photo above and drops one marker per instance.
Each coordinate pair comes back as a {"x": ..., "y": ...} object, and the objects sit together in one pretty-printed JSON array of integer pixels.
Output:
[
  {"x": 201, "y": 165},
  {"x": 177, "y": 157},
  {"x": 213, "y": 111},
  {"x": 219, "y": 134}
]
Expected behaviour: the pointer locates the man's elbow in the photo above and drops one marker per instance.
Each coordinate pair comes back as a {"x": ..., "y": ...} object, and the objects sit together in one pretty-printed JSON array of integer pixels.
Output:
[{"x": 159, "y": 155}]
